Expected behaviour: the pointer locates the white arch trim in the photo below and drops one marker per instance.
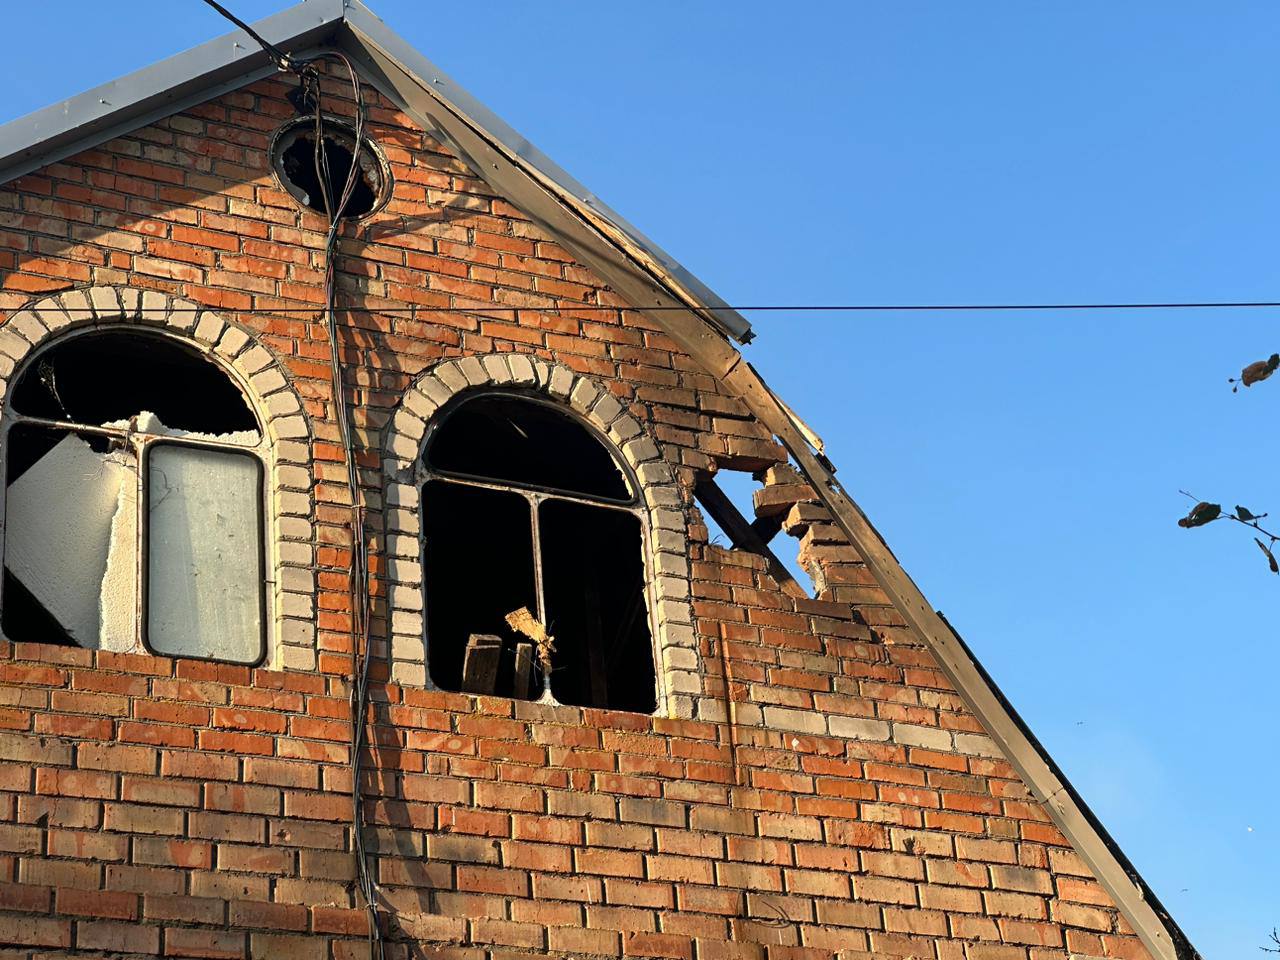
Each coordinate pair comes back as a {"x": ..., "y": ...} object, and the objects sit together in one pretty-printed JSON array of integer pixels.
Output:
[
  {"x": 291, "y": 634},
  {"x": 667, "y": 553}
]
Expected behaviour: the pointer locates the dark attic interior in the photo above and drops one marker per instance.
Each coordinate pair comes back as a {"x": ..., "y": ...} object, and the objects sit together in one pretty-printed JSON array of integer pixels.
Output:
[
  {"x": 528, "y": 501},
  {"x": 315, "y": 177}
]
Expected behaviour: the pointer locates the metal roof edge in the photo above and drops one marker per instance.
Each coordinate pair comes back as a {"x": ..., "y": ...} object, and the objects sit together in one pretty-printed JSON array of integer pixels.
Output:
[
  {"x": 1181, "y": 943},
  {"x": 173, "y": 84}
]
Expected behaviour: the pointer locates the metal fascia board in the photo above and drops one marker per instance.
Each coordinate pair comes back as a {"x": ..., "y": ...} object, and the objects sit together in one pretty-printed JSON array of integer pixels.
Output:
[
  {"x": 132, "y": 101},
  {"x": 442, "y": 87}
]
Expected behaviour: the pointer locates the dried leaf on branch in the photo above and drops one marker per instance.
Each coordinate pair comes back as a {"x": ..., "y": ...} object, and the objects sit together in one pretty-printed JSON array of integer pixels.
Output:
[
  {"x": 1256, "y": 372},
  {"x": 1201, "y": 514}
]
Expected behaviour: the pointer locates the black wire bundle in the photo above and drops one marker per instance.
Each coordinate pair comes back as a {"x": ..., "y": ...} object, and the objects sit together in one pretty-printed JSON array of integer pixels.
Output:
[
  {"x": 360, "y": 585},
  {"x": 309, "y": 78}
]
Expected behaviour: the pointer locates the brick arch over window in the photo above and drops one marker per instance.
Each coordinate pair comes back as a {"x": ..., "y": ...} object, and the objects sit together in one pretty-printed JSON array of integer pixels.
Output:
[
  {"x": 667, "y": 553},
  {"x": 266, "y": 387}
]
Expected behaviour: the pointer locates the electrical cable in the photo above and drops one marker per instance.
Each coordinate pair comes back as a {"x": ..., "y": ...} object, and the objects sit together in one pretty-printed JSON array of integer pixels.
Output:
[
  {"x": 767, "y": 308},
  {"x": 282, "y": 59},
  {"x": 359, "y": 581},
  {"x": 360, "y": 587}
]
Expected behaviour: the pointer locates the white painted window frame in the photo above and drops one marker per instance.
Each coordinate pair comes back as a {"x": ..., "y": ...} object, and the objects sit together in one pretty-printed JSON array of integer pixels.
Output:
[{"x": 284, "y": 450}]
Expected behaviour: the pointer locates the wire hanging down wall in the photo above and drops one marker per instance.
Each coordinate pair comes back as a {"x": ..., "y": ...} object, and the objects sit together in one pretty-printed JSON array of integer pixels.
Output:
[{"x": 308, "y": 98}]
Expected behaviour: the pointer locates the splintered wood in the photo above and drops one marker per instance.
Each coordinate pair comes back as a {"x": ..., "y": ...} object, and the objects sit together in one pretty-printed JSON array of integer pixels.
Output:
[{"x": 523, "y": 621}]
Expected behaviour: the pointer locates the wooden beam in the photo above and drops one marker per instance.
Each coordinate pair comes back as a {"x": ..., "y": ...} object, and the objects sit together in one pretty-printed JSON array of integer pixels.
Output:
[
  {"x": 524, "y": 671},
  {"x": 743, "y": 534},
  {"x": 480, "y": 663}
]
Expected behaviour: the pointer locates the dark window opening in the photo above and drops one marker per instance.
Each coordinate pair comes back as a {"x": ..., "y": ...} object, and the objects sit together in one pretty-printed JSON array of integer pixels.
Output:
[
  {"x": 91, "y": 518},
  {"x": 25, "y": 619},
  {"x": 295, "y": 160},
  {"x": 106, "y": 376},
  {"x": 593, "y": 578},
  {"x": 479, "y": 568},
  {"x": 533, "y": 560},
  {"x": 509, "y": 439}
]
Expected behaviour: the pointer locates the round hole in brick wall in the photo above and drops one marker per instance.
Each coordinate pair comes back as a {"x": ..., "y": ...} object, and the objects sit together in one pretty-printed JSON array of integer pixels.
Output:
[{"x": 303, "y": 173}]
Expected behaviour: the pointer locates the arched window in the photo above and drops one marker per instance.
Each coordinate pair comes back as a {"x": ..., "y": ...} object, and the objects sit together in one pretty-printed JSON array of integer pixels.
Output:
[
  {"x": 533, "y": 558},
  {"x": 133, "y": 501}
]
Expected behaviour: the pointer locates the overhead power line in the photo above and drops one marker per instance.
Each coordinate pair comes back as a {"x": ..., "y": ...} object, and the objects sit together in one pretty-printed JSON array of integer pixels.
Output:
[
  {"x": 281, "y": 59},
  {"x": 758, "y": 308}
]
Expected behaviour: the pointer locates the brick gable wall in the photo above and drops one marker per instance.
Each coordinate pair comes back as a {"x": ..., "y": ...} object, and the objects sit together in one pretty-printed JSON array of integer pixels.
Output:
[{"x": 832, "y": 797}]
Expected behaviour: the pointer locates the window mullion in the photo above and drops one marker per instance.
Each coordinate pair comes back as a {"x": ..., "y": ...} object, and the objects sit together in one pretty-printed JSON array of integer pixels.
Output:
[
  {"x": 535, "y": 502},
  {"x": 142, "y": 533}
]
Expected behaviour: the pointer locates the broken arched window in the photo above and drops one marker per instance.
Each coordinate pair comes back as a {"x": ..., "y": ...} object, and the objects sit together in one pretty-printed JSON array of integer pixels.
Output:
[
  {"x": 533, "y": 552},
  {"x": 133, "y": 501}
]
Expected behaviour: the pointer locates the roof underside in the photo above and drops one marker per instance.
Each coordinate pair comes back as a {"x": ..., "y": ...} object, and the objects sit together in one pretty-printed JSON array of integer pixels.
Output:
[{"x": 639, "y": 271}]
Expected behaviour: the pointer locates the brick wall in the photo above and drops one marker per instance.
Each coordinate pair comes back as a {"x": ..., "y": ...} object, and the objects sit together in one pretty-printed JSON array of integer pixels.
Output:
[{"x": 832, "y": 796}]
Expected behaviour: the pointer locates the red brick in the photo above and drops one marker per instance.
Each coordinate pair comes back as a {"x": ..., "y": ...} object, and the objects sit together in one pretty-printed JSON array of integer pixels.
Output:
[
  {"x": 176, "y": 853},
  {"x": 85, "y": 845},
  {"x": 133, "y": 818},
  {"x": 106, "y": 904},
  {"x": 116, "y": 937},
  {"x": 284, "y": 947},
  {"x": 340, "y": 920},
  {"x": 637, "y": 944},
  {"x": 237, "y": 743},
  {"x": 38, "y": 932},
  {"x": 25, "y": 897},
  {"x": 183, "y": 909},
  {"x": 198, "y": 766},
  {"x": 111, "y": 756},
  {"x": 207, "y": 944},
  {"x": 75, "y": 783},
  {"x": 176, "y": 793},
  {"x": 268, "y": 916}
]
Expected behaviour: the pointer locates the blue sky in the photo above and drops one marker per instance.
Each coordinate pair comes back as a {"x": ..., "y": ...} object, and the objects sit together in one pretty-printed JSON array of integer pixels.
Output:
[{"x": 1024, "y": 467}]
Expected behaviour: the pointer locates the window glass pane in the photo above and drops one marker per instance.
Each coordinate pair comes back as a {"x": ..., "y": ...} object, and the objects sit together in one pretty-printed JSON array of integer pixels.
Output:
[
  {"x": 593, "y": 582},
  {"x": 478, "y": 556},
  {"x": 70, "y": 539},
  {"x": 514, "y": 440},
  {"x": 204, "y": 563}
]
